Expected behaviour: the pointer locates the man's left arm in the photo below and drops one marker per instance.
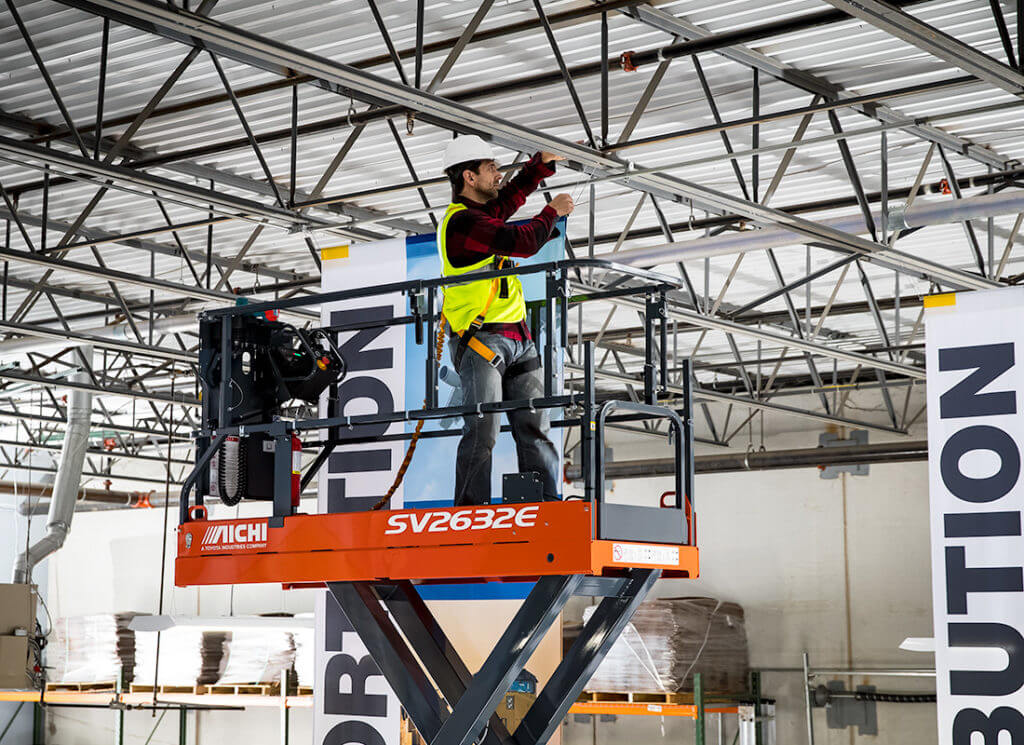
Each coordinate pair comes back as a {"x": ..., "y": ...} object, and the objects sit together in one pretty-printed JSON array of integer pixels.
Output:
[{"x": 513, "y": 195}]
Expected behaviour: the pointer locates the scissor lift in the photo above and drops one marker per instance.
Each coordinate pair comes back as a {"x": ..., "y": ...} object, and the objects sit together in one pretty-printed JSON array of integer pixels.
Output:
[{"x": 371, "y": 562}]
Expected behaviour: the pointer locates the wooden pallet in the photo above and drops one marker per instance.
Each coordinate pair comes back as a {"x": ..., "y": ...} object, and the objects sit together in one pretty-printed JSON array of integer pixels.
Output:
[
  {"x": 106, "y": 686},
  {"x": 650, "y": 697},
  {"x": 250, "y": 689},
  {"x": 407, "y": 734},
  {"x": 143, "y": 688}
]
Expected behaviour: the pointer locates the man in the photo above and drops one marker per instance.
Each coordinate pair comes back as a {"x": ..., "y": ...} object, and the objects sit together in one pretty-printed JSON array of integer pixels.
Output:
[{"x": 490, "y": 344}]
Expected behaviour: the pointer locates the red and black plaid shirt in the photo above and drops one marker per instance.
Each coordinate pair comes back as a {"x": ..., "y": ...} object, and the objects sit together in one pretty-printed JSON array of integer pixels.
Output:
[{"x": 481, "y": 230}]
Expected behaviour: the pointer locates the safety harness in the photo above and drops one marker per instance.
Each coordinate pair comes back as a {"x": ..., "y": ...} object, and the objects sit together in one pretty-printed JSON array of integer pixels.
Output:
[{"x": 467, "y": 337}]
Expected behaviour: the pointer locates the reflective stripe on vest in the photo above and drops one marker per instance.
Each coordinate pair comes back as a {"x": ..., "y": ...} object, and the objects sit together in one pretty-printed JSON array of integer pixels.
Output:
[{"x": 464, "y": 301}]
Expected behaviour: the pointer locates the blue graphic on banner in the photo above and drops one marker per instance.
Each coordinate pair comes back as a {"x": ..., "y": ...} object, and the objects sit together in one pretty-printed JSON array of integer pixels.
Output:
[{"x": 430, "y": 480}]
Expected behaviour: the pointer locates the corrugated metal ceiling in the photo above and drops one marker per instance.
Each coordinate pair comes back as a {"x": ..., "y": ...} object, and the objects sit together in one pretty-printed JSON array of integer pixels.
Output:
[{"x": 850, "y": 54}]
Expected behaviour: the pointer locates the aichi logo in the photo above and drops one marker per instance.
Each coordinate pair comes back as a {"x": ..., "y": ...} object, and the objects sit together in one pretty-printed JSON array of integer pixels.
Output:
[{"x": 238, "y": 535}]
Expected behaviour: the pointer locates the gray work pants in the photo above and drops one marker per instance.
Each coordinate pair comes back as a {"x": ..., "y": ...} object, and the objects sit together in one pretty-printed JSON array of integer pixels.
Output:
[{"x": 483, "y": 383}]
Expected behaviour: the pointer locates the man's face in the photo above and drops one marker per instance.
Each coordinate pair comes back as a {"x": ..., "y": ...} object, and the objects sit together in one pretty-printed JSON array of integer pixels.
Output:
[{"x": 487, "y": 180}]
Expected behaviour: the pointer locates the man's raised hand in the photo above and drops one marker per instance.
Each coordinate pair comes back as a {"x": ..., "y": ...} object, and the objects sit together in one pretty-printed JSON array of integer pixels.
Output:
[{"x": 562, "y": 204}]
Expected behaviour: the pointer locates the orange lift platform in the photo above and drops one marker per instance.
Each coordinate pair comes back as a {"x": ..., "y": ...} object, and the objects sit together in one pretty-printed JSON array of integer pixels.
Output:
[{"x": 373, "y": 561}]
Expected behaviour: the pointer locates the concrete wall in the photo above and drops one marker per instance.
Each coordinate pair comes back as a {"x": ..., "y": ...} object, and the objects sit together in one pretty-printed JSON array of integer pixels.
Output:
[{"x": 838, "y": 568}]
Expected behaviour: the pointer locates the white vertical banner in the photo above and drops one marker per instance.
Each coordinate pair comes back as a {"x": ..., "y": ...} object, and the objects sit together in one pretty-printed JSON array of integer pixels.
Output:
[
  {"x": 352, "y": 701},
  {"x": 975, "y": 358}
]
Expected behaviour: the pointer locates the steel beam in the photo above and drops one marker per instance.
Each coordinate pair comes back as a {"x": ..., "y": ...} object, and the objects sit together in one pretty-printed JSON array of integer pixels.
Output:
[
  {"x": 392, "y": 52},
  {"x": 61, "y": 421},
  {"x": 98, "y": 389},
  {"x": 248, "y": 130},
  {"x": 730, "y": 327},
  {"x": 583, "y": 658},
  {"x": 794, "y": 322},
  {"x": 101, "y": 93},
  {"x": 926, "y": 37},
  {"x": 420, "y": 11},
  {"x": 282, "y": 59},
  {"x": 702, "y": 395},
  {"x": 511, "y": 653},
  {"x": 101, "y": 453},
  {"x": 65, "y": 114},
  {"x": 192, "y": 196},
  {"x": 434, "y": 649},
  {"x": 389, "y": 651},
  {"x": 77, "y": 337},
  {"x": 679, "y": 26},
  {"x": 972, "y": 237},
  {"x": 566, "y": 75},
  {"x": 497, "y": 32},
  {"x": 411, "y": 168},
  {"x": 88, "y": 270},
  {"x": 726, "y": 142},
  {"x": 97, "y": 236},
  {"x": 785, "y": 288}
]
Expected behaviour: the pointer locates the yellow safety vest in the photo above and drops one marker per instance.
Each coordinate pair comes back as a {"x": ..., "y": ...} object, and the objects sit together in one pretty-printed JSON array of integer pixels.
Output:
[{"x": 463, "y": 302}]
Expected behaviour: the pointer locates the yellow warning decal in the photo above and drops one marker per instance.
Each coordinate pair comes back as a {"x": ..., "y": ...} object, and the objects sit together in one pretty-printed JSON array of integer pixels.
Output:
[
  {"x": 334, "y": 252},
  {"x": 937, "y": 301}
]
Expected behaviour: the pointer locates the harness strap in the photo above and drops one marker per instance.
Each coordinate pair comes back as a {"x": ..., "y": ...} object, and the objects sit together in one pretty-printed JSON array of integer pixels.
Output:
[
  {"x": 466, "y": 337},
  {"x": 525, "y": 366},
  {"x": 468, "y": 340}
]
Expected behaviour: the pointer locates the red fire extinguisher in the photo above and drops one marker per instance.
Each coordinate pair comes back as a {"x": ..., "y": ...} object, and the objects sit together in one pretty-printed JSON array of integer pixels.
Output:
[{"x": 296, "y": 469}]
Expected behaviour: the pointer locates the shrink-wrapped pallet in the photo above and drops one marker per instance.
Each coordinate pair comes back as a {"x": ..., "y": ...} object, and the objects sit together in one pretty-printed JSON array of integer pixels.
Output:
[
  {"x": 188, "y": 656},
  {"x": 91, "y": 649},
  {"x": 304, "y": 657},
  {"x": 670, "y": 639},
  {"x": 257, "y": 656}
]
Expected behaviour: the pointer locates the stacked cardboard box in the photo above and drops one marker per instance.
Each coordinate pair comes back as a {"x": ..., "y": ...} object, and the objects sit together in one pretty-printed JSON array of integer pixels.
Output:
[
  {"x": 513, "y": 708},
  {"x": 17, "y": 622}
]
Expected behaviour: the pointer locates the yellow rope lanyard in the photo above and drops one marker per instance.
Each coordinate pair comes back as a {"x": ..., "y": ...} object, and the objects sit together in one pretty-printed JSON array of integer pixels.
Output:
[{"x": 438, "y": 351}]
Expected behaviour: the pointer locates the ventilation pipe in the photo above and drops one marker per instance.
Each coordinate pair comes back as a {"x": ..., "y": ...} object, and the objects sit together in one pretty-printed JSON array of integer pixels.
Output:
[
  {"x": 65, "y": 486},
  {"x": 819, "y": 457},
  {"x": 921, "y": 213},
  {"x": 38, "y": 491}
]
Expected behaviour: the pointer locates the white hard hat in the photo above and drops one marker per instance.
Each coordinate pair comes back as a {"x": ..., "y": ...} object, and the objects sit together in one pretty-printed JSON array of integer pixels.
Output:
[{"x": 466, "y": 147}]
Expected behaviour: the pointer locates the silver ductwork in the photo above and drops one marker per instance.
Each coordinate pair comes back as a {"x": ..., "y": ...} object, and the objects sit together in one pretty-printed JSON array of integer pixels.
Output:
[
  {"x": 921, "y": 213},
  {"x": 66, "y": 483}
]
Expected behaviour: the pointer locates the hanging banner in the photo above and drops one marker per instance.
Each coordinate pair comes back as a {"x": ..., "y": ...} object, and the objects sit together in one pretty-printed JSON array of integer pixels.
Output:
[
  {"x": 352, "y": 702},
  {"x": 975, "y": 359}
]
